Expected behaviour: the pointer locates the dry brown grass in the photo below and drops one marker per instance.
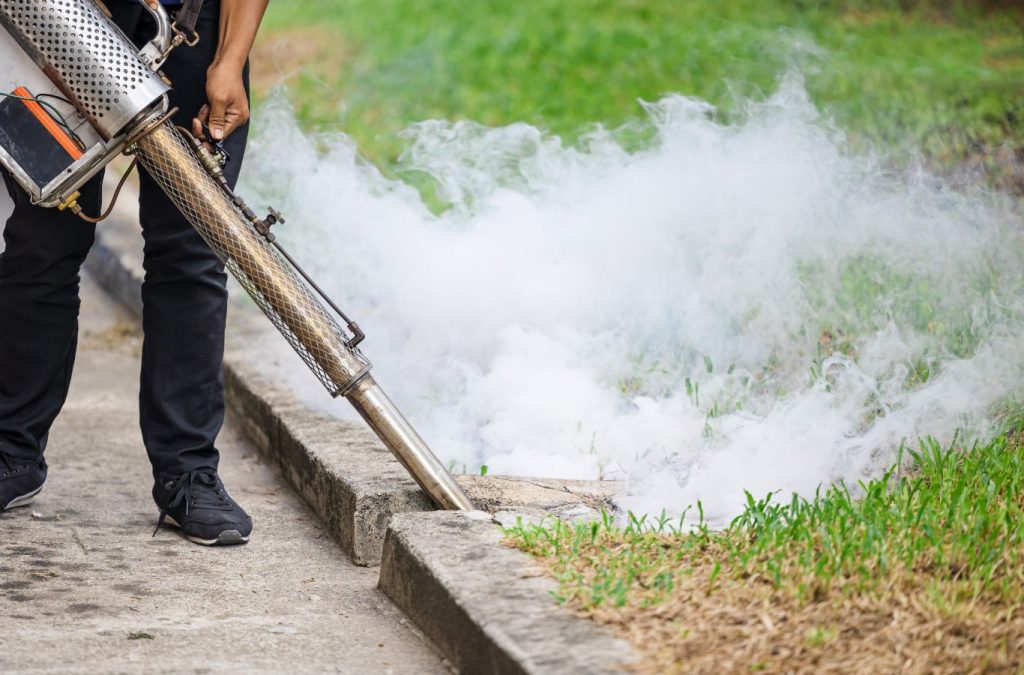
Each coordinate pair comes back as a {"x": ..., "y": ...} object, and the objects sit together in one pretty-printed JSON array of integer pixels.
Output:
[{"x": 748, "y": 626}]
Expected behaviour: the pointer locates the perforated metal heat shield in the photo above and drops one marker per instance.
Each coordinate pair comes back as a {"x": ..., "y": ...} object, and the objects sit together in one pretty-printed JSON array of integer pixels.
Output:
[{"x": 84, "y": 54}]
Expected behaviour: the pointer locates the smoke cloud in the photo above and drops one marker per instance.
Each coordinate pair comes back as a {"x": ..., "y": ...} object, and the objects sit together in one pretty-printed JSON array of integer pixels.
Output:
[{"x": 742, "y": 305}]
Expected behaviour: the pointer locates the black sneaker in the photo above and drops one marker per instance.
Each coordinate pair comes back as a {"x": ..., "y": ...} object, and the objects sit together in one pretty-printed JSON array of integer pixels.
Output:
[
  {"x": 20, "y": 481},
  {"x": 198, "y": 503}
]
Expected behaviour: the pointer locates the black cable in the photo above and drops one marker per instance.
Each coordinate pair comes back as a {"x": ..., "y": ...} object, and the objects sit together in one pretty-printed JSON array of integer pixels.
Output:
[{"x": 59, "y": 98}]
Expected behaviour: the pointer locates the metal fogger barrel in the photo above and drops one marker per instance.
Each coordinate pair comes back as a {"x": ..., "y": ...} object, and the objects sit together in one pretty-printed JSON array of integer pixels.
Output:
[{"x": 75, "y": 93}]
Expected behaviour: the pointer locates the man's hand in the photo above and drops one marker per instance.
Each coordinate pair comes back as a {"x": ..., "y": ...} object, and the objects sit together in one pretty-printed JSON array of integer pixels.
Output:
[{"x": 228, "y": 106}]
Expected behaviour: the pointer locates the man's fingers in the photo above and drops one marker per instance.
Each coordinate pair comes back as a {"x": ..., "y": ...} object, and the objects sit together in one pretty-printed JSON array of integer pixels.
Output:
[
  {"x": 199, "y": 120},
  {"x": 221, "y": 125},
  {"x": 197, "y": 125},
  {"x": 237, "y": 115},
  {"x": 218, "y": 121}
]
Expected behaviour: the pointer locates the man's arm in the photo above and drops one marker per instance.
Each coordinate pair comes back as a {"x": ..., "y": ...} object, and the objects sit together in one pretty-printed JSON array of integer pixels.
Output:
[{"x": 228, "y": 106}]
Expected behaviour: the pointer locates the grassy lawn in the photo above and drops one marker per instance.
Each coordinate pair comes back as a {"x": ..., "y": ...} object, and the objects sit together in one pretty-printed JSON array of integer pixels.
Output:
[
  {"x": 920, "y": 570},
  {"x": 950, "y": 82}
]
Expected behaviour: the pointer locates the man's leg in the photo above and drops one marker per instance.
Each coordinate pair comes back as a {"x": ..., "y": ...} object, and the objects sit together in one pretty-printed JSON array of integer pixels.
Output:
[
  {"x": 184, "y": 294},
  {"x": 39, "y": 279},
  {"x": 185, "y": 307}
]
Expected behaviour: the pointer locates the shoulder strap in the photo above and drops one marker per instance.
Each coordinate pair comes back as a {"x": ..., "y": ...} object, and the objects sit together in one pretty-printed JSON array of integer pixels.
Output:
[{"x": 187, "y": 16}]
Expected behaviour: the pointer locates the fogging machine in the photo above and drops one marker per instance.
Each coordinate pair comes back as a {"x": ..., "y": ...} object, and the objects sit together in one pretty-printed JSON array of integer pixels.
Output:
[{"x": 75, "y": 93}]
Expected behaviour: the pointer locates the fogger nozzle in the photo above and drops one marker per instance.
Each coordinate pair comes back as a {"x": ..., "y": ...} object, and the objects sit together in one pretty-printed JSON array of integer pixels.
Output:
[
  {"x": 290, "y": 304},
  {"x": 395, "y": 431}
]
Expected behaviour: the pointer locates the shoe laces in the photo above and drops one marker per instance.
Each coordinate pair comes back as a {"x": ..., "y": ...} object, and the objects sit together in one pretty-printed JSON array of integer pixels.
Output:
[{"x": 199, "y": 489}]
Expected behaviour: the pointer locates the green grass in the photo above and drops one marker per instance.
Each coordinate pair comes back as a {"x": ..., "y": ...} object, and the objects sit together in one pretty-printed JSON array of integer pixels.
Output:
[
  {"x": 949, "y": 524},
  {"x": 951, "y": 82}
]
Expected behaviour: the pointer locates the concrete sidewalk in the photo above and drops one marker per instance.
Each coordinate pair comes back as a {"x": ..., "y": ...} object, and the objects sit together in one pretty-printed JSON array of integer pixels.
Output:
[{"x": 85, "y": 588}]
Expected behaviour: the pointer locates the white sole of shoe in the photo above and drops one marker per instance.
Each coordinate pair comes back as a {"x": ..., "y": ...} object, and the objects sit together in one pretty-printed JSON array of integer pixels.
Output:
[
  {"x": 225, "y": 538},
  {"x": 23, "y": 500}
]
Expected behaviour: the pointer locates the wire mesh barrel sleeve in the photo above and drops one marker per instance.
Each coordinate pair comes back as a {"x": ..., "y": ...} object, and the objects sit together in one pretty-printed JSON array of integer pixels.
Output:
[{"x": 271, "y": 282}]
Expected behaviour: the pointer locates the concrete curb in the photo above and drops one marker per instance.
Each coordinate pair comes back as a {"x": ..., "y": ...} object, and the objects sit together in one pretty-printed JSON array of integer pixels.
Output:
[{"x": 488, "y": 607}]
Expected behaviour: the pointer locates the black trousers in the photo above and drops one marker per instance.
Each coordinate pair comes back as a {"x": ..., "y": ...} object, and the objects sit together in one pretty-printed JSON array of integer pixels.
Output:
[{"x": 181, "y": 398}]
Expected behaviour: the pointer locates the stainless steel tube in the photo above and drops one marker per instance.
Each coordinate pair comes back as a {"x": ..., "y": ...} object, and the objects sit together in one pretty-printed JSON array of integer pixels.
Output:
[
  {"x": 411, "y": 450},
  {"x": 289, "y": 303}
]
